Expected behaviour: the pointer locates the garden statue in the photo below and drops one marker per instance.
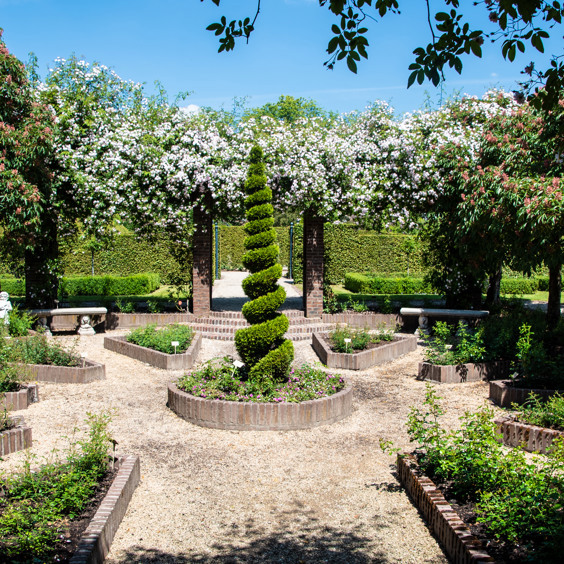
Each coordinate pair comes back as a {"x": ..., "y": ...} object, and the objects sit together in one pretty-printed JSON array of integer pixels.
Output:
[{"x": 5, "y": 307}]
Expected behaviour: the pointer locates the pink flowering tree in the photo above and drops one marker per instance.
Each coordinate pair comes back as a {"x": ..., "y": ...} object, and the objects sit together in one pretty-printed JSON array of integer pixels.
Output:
[{"x": 27, "y": 191}]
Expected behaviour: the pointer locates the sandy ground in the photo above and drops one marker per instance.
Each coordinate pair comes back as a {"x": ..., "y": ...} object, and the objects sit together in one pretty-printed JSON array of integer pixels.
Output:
[{"x": 323, "y": 495}]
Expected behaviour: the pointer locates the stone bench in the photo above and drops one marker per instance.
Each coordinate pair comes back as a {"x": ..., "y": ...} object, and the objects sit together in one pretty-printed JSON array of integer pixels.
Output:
[
  {"x": 83, "y": 313},
  {"x": 425, "y": 313}
]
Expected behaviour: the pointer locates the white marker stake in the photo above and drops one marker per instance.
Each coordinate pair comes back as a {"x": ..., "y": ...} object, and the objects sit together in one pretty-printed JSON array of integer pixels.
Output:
[
  {"x": 174, "y": 344},
  {"x": 237, "y": 364},
  {"x": 347, "y": 341}
]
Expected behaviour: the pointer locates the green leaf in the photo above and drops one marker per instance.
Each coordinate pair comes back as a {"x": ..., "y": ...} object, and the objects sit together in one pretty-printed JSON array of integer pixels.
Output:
[
  {"x": 351, "y": 64},
  {"x": 442, "y": 16},
  {"x": 332, "y": 45}
]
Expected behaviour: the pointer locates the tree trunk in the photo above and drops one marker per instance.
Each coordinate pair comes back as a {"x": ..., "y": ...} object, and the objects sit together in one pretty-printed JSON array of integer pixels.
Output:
[
  {"x": 493, "y": 299},
  {"x": 41, "y": 272},
  {"x": 554, "y": 296}
]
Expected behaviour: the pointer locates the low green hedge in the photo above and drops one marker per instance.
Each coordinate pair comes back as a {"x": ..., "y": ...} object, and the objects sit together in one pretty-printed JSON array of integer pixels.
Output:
[
  {"x": 517, "y": 286},
  {"x": 362, "y": 284},
  {"x": 137, "y": 284},
  {"x": 13, "y": 286}
]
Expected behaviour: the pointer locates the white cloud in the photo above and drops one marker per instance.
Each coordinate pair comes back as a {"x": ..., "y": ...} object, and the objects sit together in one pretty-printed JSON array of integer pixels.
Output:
[{"x": 190, "y": 109}]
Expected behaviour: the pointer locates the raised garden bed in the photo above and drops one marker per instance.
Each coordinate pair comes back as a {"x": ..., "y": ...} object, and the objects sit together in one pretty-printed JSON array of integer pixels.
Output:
[
  {"x": 16, "y": 438},
  {"x": 20, "y": 399},
  {"x": 97, "y": 539},
  {"x": 251, "y": 416},
  {"x": 179, "y": 361},
  {"x": 89, "y": 372},
  {"x": 470, "y": 372},
  {"x": 531, "y": 437},
  {"x": 132, "y": 320},
  {"x": 387, "y": 351},
  {"x": 504, "y": 393},
  {"x": 458, "y": 542}
]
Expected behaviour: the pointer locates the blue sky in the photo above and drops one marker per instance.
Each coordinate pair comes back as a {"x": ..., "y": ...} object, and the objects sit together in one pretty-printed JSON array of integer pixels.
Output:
[{"x": 166, "y": 40}]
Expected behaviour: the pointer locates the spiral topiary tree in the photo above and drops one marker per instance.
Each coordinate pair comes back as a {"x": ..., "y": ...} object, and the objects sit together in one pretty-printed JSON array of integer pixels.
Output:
[{"x": 262, "y": 347}]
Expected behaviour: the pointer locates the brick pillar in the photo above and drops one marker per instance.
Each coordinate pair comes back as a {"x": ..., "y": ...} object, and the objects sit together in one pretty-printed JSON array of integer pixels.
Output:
[
  {"x": 202, "y": 272},
  {"x": 313, "y": 266}
]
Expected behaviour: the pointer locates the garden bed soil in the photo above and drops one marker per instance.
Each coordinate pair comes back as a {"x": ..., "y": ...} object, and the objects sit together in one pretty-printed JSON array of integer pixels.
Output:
[
  {"x": 378, "y": 353},
  {"x": 89, "y": 372},
  {"x": 505, "y": 392},
  {"x": 180, "y": 361},
  {"x": 14, "y": 401},
  {"x": 530, "y": 437},
  {"x": 16, "y": 438},
  {"x": 254, "y": 416},
  {"x": 459, "y": 373}
]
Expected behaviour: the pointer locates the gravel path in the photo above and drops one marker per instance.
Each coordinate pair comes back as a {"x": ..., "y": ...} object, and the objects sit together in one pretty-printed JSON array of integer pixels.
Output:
[{"x": 322, "y": 495}]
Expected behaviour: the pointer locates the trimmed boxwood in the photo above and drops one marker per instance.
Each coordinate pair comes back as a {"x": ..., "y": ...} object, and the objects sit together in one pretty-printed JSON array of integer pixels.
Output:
[
  {"x": 13, "y": 286},
  {"x": 110, "y": 285},
  {"x": 262, "y": 346},
  {"x": 362, "y": 284},
  {"x": 518, "y": 286}
]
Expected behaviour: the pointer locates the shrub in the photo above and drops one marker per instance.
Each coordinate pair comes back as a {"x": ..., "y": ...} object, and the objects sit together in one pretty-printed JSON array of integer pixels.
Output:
[
  {"x": 38, "y": 350},
  {"x": 518, "y": 286},
  {"x": 544, "y": 414},
  {"x": 21, "y": 322},
  {"x": 519, "y": 498},
  {"x": 367, "y": 284},
  {"x": 14, "y": 287},
  {"x": 262, "y": 346},
  {"x": 136, "y": 284},
  {"x": 445, "y": 347},
  {"x": 160, "y": 339}
]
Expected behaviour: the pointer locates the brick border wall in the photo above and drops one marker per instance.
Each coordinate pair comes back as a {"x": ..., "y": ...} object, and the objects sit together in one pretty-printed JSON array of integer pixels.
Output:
[
  {"x": 457, "y": 374},
  {"x": 531, "y": 437},
  {"x": 131, "y": 320},
  {"x": 15, "y": 439},
  {"x": 363, "y": 359},
  {"x": 250, "y": 416},
  {"x": 68, "y": 374},
  {"x": 362, "y": 320},
  {"x": 156, "y": 358},
  {"x": 97, "y": 539},
  {"x": 313, "y": 246},
  {"x": 502, "y": 393},
  {"x": 459, "y": 544},
  {"x": 202, "y": 271},
  {"x": 14, "y": 401}
]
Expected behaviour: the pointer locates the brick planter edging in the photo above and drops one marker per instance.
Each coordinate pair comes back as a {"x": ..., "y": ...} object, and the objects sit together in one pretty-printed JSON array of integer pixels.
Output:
[
  {"x": 14, "y": 401},
  {"x": 165, "y": 361},
  {"x": 15, "y": 439},
  {"x": 363, "y": 359},
  {"x": 97, "y": 539},
  {"x": 362, "y": 320},
  {"x": 503, "y": 393},
  {"x": 458, "y": 542},
  {"x": 131, "y": 320},
  {"x": 251, "y": 416},
  {"x": 531, "y": 437},
  {"x": 458, "y": 373},
  {"x": 91, "y": 372}
]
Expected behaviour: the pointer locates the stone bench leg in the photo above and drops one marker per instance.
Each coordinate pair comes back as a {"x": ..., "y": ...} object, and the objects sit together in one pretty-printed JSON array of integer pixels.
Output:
[
  {"x": 44, "y": 326},
  {"x": 423, "y": 329}
]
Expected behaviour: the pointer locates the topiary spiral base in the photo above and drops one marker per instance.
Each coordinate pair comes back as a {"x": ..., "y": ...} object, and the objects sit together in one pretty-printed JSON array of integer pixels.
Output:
[{"x": 262, "y": 346}]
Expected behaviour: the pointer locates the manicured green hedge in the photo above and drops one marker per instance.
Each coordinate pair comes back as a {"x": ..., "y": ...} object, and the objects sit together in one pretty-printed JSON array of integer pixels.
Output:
[
  {"x": 350, "y": 249},
  {"x": 518, "y": 286},
  {"x": 110, "y": 285},
  {"x": 542, "y": 283},
  {"x": 128, "y": 255},
  {"x": 232, "y": 248},
  {"x": 13, "y": 286},
  {"x": 362, "y": 284}
]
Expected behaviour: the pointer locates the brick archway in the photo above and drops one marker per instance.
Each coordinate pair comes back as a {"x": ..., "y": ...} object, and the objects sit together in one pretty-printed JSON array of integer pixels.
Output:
[{"x": 202, "y": 268}]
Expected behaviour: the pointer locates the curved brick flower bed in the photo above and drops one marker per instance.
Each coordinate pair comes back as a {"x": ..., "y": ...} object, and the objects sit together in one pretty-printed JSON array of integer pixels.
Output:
[
  {"x": 90, "y": 372},
  {"x": 251, "y": 416},
  {"x": 17, "y": 438},
  {"x": 504, "y": 393},
  {"x": 179, "y": 361},
  {"x": 470, "y": 372},
  {"x": 361, "y": 360},
  {"x": 531, "y": 437},
  {"x": 97, "y": 539},
  {"x": 20, "y": 399},
  {"x": 458, "y": 542}
]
